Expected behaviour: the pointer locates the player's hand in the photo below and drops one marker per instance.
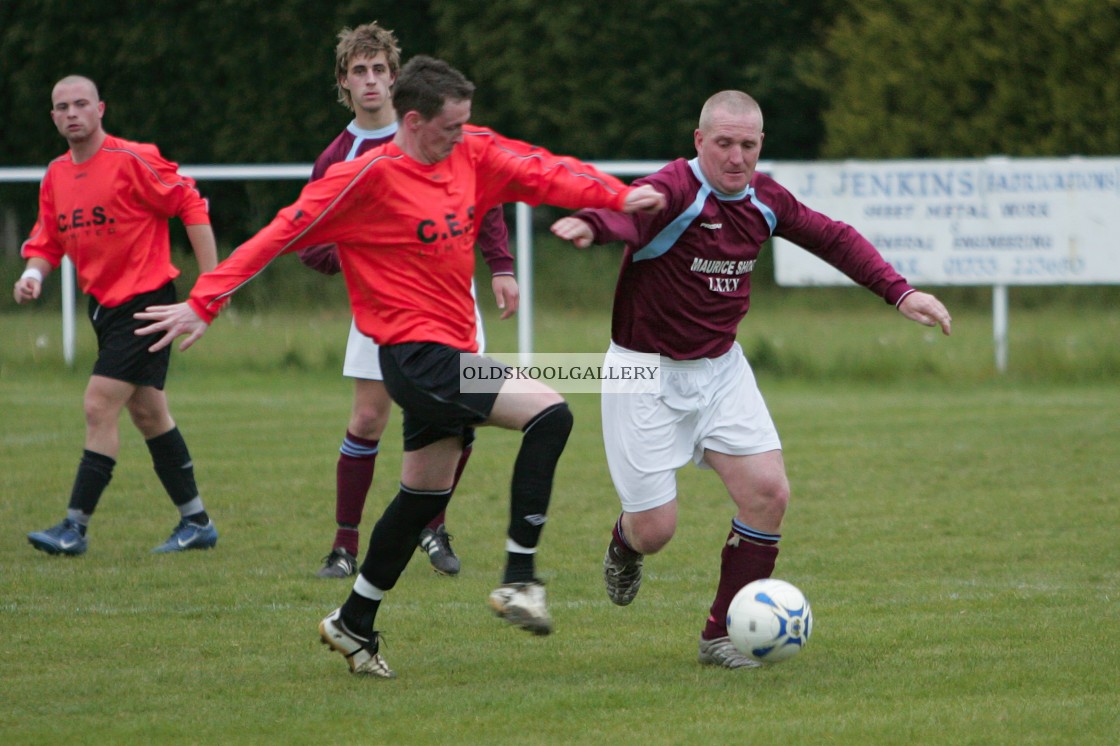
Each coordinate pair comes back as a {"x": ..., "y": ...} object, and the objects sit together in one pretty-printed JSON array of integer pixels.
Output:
[
  {"x": 926, "y": 309},
  {"x": 507, "y": 293},
  {"x": 174, "y": 321},
  {"x": 27, "y": 289},
  {"x": 575, "y": 230},
  {"x": 644, "y": 199}
]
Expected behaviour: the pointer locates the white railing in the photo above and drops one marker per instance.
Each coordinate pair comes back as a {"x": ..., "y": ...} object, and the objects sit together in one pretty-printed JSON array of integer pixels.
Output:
[
  {"x": 302, "y": 171},
  {"x": 522, "y": 236}
]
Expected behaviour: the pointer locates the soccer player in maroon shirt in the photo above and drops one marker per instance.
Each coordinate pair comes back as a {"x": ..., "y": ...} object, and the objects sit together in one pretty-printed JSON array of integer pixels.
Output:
[
  {"x": 682, "y": 291},
  {"x": 105, "y": 205},
  {"x": 367, "y": 61},
  {"x": 404, "y": 218}
]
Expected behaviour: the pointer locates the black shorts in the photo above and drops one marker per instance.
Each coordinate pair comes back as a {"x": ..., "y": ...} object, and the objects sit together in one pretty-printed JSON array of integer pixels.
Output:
[
  {"x": 423, "y": 378},
  {"x": 121, "y": 353}
]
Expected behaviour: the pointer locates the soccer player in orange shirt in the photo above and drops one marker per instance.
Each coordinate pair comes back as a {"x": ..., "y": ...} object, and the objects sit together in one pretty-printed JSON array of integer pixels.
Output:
[
  {"x": 404, "y": 216},
  {"x": 367, "y": 61},
  {"x": 105, "y": 204}
]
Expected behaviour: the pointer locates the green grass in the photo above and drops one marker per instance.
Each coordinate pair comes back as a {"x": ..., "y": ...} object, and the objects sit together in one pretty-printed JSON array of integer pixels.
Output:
[{"x": 955, "y": 531}]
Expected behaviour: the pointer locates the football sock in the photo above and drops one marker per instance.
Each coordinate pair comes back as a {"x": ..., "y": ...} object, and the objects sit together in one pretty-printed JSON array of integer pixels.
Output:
[
  {"x": 533, "y": 471},
  {"x": 173, "y": 465},
  {"x": 353, "y": 477},
  {"x": 201, "y": 518},
  {"x": 347, "y": 537},
  {"x": 94, "y": 472},
  {"x": 520, "y": 565},
  {"x": 82, "y": 519},
  {"x": 441, "y": 519},
  {"x": 620, "y": 548},
  {"x": 360, "y": 609},
  {"x": 748, "y": 554},
  {"x": 396, "y": 533}
]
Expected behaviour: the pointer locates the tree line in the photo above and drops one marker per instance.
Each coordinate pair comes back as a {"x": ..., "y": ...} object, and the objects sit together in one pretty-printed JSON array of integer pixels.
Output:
[{"x": 247, "y": 81}]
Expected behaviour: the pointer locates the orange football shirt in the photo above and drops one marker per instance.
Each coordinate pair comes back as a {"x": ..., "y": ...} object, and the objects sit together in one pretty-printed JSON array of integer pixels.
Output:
[
  {"x": 406, "y": 230},
  {"x": 109, "y": 215}
]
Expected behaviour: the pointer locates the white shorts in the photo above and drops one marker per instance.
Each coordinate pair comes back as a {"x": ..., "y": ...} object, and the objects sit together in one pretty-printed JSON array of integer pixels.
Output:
[
  {"x": 361, "y": 352},
  {"x": 713, "y": 403}
]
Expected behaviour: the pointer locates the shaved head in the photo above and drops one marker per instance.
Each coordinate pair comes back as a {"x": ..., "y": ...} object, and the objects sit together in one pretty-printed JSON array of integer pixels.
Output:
[
  {"x": 76, "y": 111},
  {"x": 735, "y": 103},
  {"x": 729, "y": 140},
  {"x": 78, "y": 80}
]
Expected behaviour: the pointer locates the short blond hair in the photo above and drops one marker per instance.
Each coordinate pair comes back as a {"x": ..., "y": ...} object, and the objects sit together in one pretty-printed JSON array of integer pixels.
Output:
[{"x": 364, "y": 41}]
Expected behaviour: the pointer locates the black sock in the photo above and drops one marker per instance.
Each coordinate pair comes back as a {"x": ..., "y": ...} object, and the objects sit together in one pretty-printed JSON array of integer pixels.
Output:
[
  {"x": 531, "y": 488},
  {"x": 200, "y": 518},
  {"x": 173, "y": 465},
  {"x": 358, "y": 614},
  {"x": 94, "y": 472},
  {"x": 520, "y": 568},
  {"x": 396, "y": 533}
]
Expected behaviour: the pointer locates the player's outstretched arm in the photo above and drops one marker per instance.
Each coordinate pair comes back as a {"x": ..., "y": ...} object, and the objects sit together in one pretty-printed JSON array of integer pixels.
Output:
[
  {"x": 575, "y": 230},
  {"x": 926, "y": 309},
  {"x": 644, "y": 198},
  {"x": 174, "y": 321}
]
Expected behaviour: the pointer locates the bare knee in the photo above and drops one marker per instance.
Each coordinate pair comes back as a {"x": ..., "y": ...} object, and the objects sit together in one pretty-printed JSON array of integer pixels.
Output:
[
  {"x": 368, "y": 420},
  {"x": 147, "y": 420},
  {"x": 649, "y": 531},
  {"x": 757, "y": 484},
  {"x": 147, "y": 407},
  {"x": 652, "y": 540},
  {"x": 775, "y": 494},
  {"x": 100, "y": 411},
  {"x": 765, "y": 505},
  {"x": 515, "y": 412},
  {"x": 370, "y": 412}
]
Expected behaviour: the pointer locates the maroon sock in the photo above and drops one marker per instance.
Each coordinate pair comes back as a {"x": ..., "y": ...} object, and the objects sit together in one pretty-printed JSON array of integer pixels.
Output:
[
  {"x": 742, "y": 562},
  {"x": 620, "y": 547},
  {"x": 440, "y": 519},
  {"x": 354, "y": 476},
  {"x": 347, "y": 537}
]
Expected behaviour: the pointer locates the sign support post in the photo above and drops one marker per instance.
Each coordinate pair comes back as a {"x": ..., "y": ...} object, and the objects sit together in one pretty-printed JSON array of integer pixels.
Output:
[{"x": 999, "y": 325}]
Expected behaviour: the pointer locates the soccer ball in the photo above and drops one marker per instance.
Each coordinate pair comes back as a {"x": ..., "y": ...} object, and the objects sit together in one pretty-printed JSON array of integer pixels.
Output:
[{"x": 769, "y": 620}]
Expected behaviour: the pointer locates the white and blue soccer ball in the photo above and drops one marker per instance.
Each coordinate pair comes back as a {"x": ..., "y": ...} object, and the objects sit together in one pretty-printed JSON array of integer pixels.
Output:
[{"x": 769, "y": 620}]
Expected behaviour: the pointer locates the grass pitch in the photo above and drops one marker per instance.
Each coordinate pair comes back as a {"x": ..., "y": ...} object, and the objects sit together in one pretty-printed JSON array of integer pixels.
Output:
[{"x": 955, "y": 532}]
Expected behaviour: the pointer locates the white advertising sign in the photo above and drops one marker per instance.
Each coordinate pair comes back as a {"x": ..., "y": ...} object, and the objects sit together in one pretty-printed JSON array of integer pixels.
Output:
[{"x": 999, "y": 221}]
